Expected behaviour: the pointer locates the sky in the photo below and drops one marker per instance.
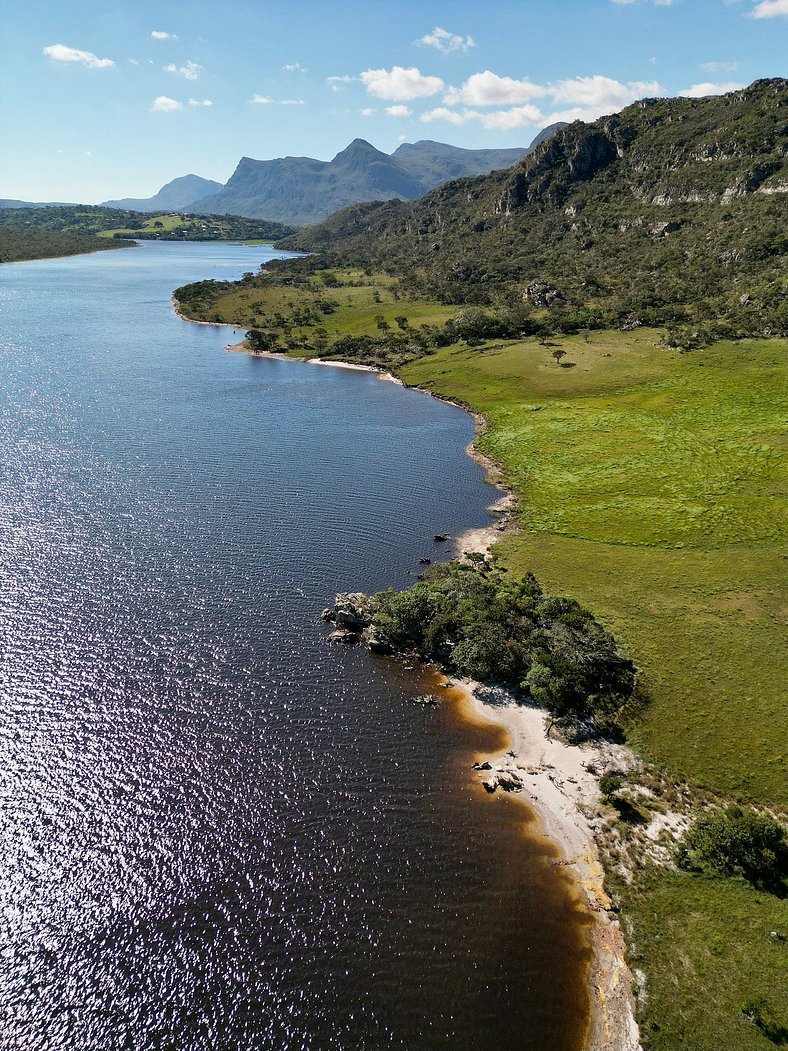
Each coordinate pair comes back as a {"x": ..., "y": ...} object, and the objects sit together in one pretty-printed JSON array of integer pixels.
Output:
[{"x": 103, "y": 100}]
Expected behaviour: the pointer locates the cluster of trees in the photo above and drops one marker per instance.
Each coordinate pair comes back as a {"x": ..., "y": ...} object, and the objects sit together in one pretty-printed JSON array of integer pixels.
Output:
[
  {"x": 738, "y": 842},
  {"x": 476, "y": 621},
  {"x": 17, "y": 244}
]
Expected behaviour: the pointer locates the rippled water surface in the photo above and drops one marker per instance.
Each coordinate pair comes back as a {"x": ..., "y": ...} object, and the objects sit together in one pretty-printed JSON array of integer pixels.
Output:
[{"x": 218, "y": 831}]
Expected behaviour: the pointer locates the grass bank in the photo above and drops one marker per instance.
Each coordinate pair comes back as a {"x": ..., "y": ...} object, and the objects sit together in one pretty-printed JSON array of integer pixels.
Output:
[{"x": 652, "y": 490}]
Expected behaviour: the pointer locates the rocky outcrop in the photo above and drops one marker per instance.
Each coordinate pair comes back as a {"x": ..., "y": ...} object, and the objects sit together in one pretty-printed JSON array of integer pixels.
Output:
[{"x": 352, "y": 614}]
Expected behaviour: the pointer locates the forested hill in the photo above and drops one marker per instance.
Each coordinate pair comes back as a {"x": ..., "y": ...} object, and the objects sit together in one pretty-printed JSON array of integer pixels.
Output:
[{"x": 673, "y": 210}]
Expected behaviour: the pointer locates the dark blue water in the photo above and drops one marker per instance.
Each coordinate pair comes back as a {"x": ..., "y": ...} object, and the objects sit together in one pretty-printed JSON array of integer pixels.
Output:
[{"x": 216, "y": 830}]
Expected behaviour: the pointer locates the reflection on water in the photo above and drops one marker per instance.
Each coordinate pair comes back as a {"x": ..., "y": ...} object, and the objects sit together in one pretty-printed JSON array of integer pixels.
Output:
[{"x": 217, "y": 831}]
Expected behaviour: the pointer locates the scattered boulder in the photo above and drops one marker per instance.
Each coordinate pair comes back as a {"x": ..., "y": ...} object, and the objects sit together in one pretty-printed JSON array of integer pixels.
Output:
[
  {"x": 440, "y": 537},
  {"x": 425, "y": 561},
  {"x": 490, "y": 785},
  {"x": 328, "y": 614},
  {"x": 348, "y": 637}
]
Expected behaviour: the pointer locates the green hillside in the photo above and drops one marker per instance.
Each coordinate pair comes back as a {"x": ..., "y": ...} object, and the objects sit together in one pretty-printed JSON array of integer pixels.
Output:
[{"x": 671, "y": 212}]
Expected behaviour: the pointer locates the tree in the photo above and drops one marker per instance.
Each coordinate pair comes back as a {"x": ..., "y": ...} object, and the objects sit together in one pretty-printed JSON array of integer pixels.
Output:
[
  {"x": 737, "y": 842},
  {"x": 558, "y": 354}
]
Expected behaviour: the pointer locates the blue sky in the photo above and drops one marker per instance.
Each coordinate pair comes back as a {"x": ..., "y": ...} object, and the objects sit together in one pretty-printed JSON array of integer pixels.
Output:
[{"x": 103, "y": 99}]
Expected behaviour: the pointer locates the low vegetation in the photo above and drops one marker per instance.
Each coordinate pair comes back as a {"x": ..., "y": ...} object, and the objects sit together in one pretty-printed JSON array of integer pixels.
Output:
[
  {"x": 477, "y": 621},
  {"x": 19, "y": 244},
  {"x": 119, "y": 223},
  {"x": 649, "y": 481}
]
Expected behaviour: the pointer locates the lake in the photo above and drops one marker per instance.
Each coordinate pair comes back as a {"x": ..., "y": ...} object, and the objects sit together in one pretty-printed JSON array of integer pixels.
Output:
[{"x": 219, "y": 831}]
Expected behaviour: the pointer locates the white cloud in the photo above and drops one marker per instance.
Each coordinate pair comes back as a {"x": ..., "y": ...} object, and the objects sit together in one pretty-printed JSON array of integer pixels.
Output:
[
  {"x": 190, "y": 71},
  {"x": 770, "y": 9},
  {"x": 720, "y": 67},
  {"x": 518, "y": 117},
  {"x": 445, "y": 42},
  {"x": 61, "y": 53},
  {"x": 488, "y": 89},
  {"x": 368, "y": 111},
  {"x": 402, "y": 138},
  {"x": 294, "y": 67},
  {"x": 338, "y": 83},
  {"x": 200, "y": 102},
  {"x": 602, "y": 94},
  {"x": 400, "y": 84},
  {"x": 159, "y": 34},
  {"x": 266, "y": 100},
  {"x": 700, "y": 91},
  {"x": 583, "y": 98},
  {"x": 398, "y": 111},
  {"x": 450, "y": 115},
  {"x": 133, "y": 62},
  {"x": 162, "y": 104}
]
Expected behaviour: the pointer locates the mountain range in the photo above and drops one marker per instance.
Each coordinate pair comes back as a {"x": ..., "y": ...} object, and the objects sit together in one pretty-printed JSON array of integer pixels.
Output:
[
  {"x": 302, "y": 190},
  {"x": 673, "y": 208}
]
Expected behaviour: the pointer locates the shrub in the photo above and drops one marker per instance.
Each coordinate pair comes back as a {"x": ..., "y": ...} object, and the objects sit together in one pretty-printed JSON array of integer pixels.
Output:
[{"x": 737, "y": 842}]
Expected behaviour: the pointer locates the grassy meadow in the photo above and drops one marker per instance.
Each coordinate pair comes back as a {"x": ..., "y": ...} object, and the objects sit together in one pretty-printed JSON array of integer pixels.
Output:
[{"x": 651, "y": 490}]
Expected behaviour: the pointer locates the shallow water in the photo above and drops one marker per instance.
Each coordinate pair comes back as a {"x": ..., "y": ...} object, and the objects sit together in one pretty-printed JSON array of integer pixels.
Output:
[{"x": 217, "y": 831}]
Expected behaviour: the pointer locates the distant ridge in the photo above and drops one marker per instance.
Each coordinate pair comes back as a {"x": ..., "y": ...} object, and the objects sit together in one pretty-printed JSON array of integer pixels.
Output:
[
  {"x": 175, "y": 196},
  {"x": 303, "y": 190}
]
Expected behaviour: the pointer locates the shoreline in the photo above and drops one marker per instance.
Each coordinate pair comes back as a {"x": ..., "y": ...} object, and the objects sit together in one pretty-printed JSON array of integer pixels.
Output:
[{"x": 556, "y": 782}]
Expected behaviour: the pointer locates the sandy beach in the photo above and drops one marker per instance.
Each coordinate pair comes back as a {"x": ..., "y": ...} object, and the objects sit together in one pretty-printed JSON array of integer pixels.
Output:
[{"x": 560, "y": 783}]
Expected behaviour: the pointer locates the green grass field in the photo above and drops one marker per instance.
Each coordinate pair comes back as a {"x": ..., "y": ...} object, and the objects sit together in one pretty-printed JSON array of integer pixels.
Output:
[
  {"x": 358, "y": 302},
  {"x": 651, "y": 489}
]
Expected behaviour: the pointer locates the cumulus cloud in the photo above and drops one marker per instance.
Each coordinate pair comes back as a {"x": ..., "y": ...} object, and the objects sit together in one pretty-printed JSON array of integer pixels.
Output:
[
  {"x": 602, "y": 93},
  {"x": 770, "y": 9},
  {"x": 451, "y": 115},
  {"x": 294, "y": 67},
  {"x": 162, "y": 104},
  {"x": 292, "y": 102},
  {"x": 488, "y": 89},
  {"x": 190, "y": 71},
  {"x": 200, "y": 102},
  {"x": 338, "y": 83},
  {"x": 261, "y": 100},
  {"x": 517, "y": 117},
  {"x": 582, "y": 98},
  {"x": 445, "y": 42},
  {"x": 61, "y": 53},
  {"x": 159, "y": 34},
  {"x": 398, "y": 111},
  {"x": 399, "y": 84},
  {"x": 699, "y": 91},
  {"x": 368, "y": 111}
]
